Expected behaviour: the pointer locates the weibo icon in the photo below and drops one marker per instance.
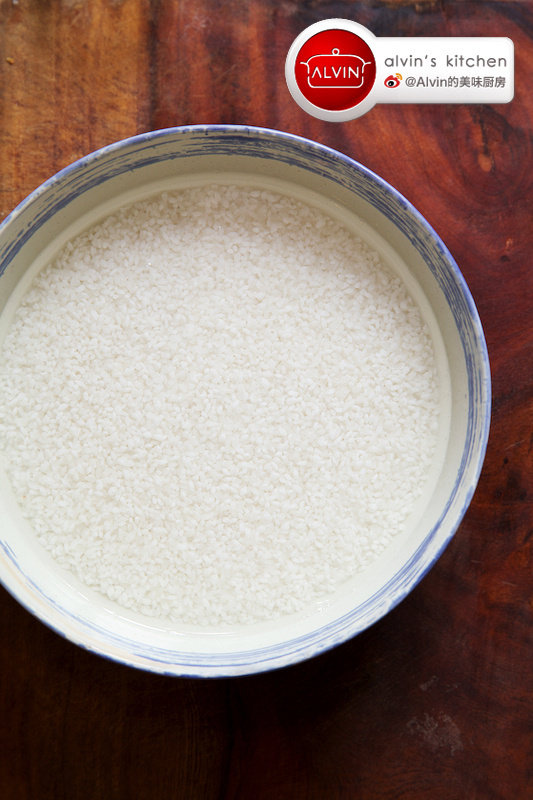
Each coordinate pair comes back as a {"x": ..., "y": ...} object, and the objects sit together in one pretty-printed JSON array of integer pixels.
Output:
[{"x": 393, "y": 81}]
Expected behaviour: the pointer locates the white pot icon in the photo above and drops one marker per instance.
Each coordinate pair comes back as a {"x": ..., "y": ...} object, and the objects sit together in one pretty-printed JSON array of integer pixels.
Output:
[{"x": 335, "y": 70}]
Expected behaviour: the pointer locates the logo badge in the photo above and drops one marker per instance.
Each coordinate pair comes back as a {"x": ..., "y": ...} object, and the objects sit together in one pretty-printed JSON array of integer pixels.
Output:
[
  {"x": 331, "y": 69},
  {"x": 337, "y": 70}
]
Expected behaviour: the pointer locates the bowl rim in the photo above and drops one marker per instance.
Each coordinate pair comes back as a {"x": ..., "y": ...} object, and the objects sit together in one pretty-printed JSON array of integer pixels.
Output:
[{"x": 320, "y": 639}]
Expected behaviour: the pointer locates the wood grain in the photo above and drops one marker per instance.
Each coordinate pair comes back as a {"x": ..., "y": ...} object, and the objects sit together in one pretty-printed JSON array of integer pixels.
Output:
[{"x": 435, "y": 702}]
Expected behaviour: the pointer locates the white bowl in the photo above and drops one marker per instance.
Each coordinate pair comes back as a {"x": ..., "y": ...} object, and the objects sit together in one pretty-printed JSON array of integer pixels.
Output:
[{"x": 126, "y": 171}]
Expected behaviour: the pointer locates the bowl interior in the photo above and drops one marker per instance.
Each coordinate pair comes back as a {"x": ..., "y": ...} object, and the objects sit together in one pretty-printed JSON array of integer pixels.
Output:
[{"x": 94, "y": 187}]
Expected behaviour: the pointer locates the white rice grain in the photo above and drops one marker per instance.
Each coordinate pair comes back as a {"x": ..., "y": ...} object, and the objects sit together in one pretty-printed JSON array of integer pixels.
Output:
[{"x": 217, "y": 405}]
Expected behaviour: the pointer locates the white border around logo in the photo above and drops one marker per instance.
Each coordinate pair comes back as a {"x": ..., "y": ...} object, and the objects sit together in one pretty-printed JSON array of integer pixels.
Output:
[{"x": 290, "y": 63}]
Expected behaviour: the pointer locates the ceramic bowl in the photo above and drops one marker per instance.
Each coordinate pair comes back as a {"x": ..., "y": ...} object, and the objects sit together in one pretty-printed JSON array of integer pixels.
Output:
[{"x": 128, "y": 170}]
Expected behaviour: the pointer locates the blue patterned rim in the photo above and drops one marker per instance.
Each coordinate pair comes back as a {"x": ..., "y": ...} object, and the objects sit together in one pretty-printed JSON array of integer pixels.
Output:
[{"x": 151, "y": 148}]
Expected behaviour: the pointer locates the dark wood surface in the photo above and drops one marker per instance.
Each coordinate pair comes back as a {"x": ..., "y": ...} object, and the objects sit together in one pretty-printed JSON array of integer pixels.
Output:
[{"x": 436, "y": 700}]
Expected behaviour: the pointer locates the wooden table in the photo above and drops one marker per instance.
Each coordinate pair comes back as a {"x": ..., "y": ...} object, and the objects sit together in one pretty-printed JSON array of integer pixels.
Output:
[{"x": 436, "y": 700}]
